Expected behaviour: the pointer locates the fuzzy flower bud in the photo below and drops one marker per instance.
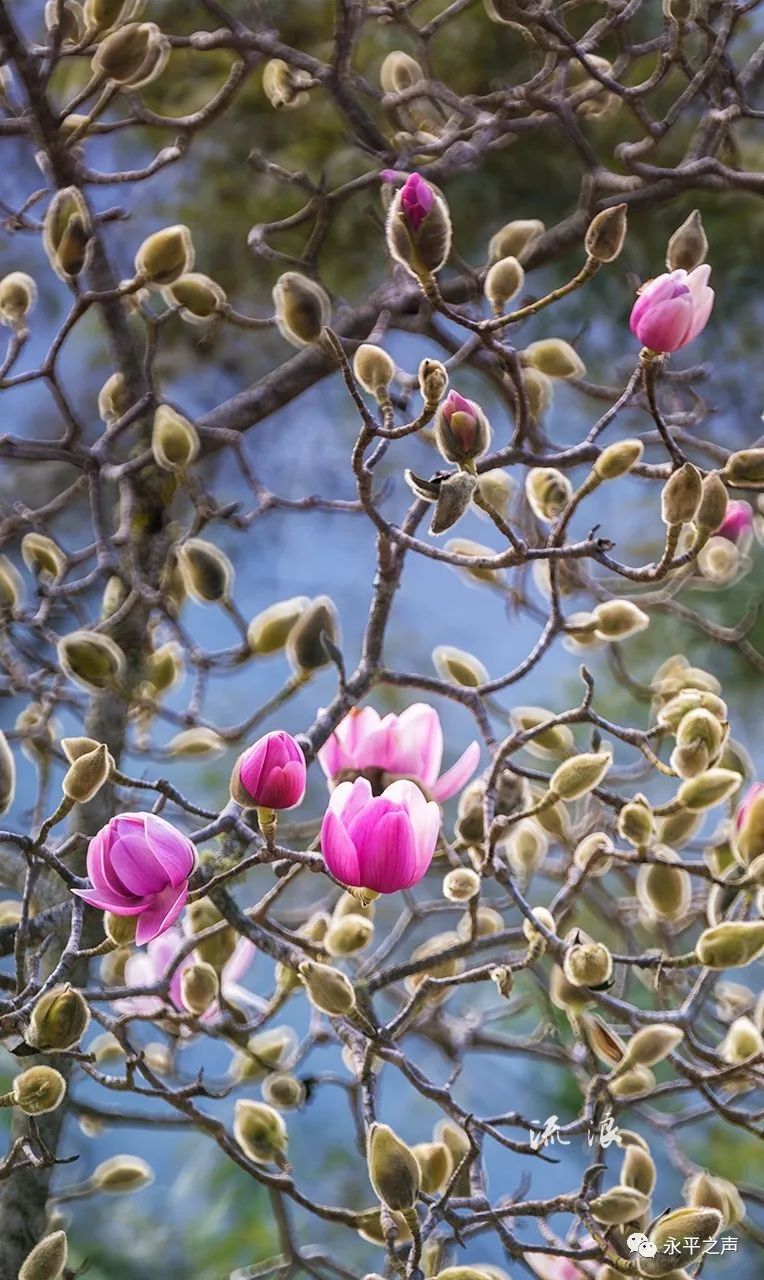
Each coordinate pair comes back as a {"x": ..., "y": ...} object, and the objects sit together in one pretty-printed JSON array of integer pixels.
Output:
[
  {"x": 260, "y": 1131},
  {"x": 618, "y": 459},
  {"x": 121, "y": 1175},
  {"x": 91, "y": 659},
  {"x": 619, "y": 619},
  {"x": 708, "y": 789},
  {"x": 349, "y": 935},
  {"x": 651, "y": 1045},
  {"x": 87, "y": 774},
  {"x": 199, "y": 987},
  {"x": 59, "y": 1020},
  {"x": 197, "y": 297},
  {"x": 454, "y": 497},
  {"x": 578, "y": 776},
  {"x": 67, "y": 233},
  {"x": 462, "y": 432},
  {"x": 731, "y": 945},
  {"x": 516, "y": 239},
  {"x": 283, "y": 1091},
  {"x": 712, "y": 507},
  {"x": 305, "y": 649},
  {"x": 132, "y": 56},
  {"x": 206, "y": 571},
  {"x": 174, "y": 441},
  {"x": 374, "y": 369},
  {"x": 664, "y": 889},
  {"x": 435, "y": 1165},
  {"x": 688, "y": 246},
  {"x": 636, "y": 822},
  {"x": 47, "y": 1261},
  {"x": 681, "y": 495},
  {"x": 165, "y": 256},
  {"x": 458, "y": 667},
  {"x": 433, "y": 380},
  {"x": 38, "y": 1090},
  {"x": 588, "y": 964},
  {"x": 393, "y": 1169},
  {"x": 18, "y": 295},
  {"x": 548, "y": 492},
  {"x": 593, "y": 854},
  {"x": 503, "y": 280},
  {"x": 327, "y": 989},
  {"x": 619, "y": 1205},
  {"x": 461, "y": 884},
  {"x": 554, "y": 358},
  {"x": 606, "y": 233},
  {"x": 303, "y": 309},
  {"x": 685, "y": 1232},
  {"x": 745, "y": 469},
  {"x": 113, "y": 399},
  {"x": 269, "y": 631},
  {"x": 283, "y": 86},
  {"x": 419, "y": 227}
]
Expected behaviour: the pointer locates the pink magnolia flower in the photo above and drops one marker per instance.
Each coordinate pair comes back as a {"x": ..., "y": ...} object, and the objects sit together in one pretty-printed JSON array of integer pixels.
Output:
[
  {"x": 139, "y": 865},
  {"x": 737, "y": 525},
  {"x": 461, "y": 416},
  {"x": 417, "y": 199},
  {"x": 145, "y": 968},
  {"x": 410, "y": 745},
  {"x": 750, "y": 798},
  {"x": 273, "y": 771},
  {"x": 672, "y": 309},
  {"x": 384, "y": 843}
]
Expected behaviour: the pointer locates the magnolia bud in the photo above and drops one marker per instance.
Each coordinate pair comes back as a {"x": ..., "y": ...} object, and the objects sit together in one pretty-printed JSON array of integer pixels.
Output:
[
  {"x": 113, "y": 399},
  {"x": 418, "y": 227},
  {"x": 672, "y": 713},
  {"x": 196, "y": 296},
  {"x": 681, "y": 495},
  {"x": 303, "y": 309},
  {"x": 393, "y": 1169},
  {"x": 67, "y": 233},
  {"x": 166, "y": 255},
  {"x": 731, "y": 945},
  {"x": 283, "y": 1091},
  {"x": 164, "y": 667},
  {"x": 47, "y": 1260},
  {"x": 199, "y": 987},
  {"x": 636, "y": 822},
  {"x": 618, "y": 1205},
  {"x": 432, "y": 949},
  {"x": 578, "y": 776},
  {"x": 65, "y": 16},
  {"x": 91, "y": 659},
  {"x": 59, "y": 1020},
  {"x": 538, "y": 390},
  {"x": 174, "y": 441},
  {"x": 7, "y": 775},
  {"x": 525, "y": 847},
  {"x": 120, "y": 929},
  {"x": 688, "y": 246},
  {"x": 39, "y": 1090},
  {"x": 636, "y": 1082},
  {"x": 217, "y": 949},
  {"x": 713, "y": 503},
  {"x": 41, "y": 555},
  {"x": 86, "y": 775},
  {"x": 553, "y": 357},
  {"x": 608, "y": 1046},
  {"x": 264, "y": 1053},
  {"x": 283, "y": 86},
  {"x": 720, "y": 561},
  {"x": 327, "y": 989},
  {"x": 593, "y": 854},
  {"x": 555, "y": 741},
  {"x": 515, "y": 239},
  {"x": 466, "y": 547},
  {"x": 131, "y": 57},
  {"x": 304, "y": 648},
  {"x": 742, "y": 1041},
  {"x": 708, "y": 789},
  {"x": 638, "y": 1170},
  {"x": 458, "y": 667},
  {"x": 686, "y": 1232},
  {"x": 706, "y": 1192},
  {"x": 749, "y": 834},
  {"x": 618, "y": 459},
  {"x": 619, "y": 619},
  {"x": 455, "y": 495},
  {"x": 745, "y": 469},
  {"x": 105, "y": 14},
  {"x": 462, "y": 432},
  {"x": 703, "y": 727},
  {"x": 504, "y": 279},
  {"x": 18, "y": 295},
  {"x": 664, "y": 889},
  {"x": 461, "y": 884},
  {"x": 548, "y": 492},
  {"x": 121, "y": 1175},
  {"x": 435, "y": 1165},
  {"x": 269, "y": 631},
  {"x": 433, "y": 380},
  {"x": 348, "y": 936},
  {"x": 651, "y": 1045},
  {"x": 588, "y": 964},
  {"x": 606, "y": 233},
  {"x": 207, "y": 572},
  {"x": 196, "y": 742},
  {"x": 374, "y": 369},
  {"x": 260, "y": 1131}
]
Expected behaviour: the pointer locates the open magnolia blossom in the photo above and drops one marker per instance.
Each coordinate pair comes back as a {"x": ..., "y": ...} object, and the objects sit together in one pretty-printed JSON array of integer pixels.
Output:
[
  {"x": 672, "y": 309},
  {"x": 383, "y": 843},
  {"x": 409, "y": 745}
]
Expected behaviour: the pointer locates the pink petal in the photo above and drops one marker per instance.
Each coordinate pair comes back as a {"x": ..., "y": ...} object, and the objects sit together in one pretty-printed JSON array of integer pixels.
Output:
[
  {"x": 349, "y": 797},
  {"x": 656, "y": 291},
  {"x": 387, "y": 857},
  {"x": 163, "y": 912},
  {"x": 100, "y": 870},
  {"x": 424, "y": 817},
  {"x": 455, "y": 778},
  {"x": 136, "y": 866},
  {"x": 701, "y": 314},
  {"x": 421, "y": 724},
  {"x": 238, "y": 964},
  {"x": 665, "y": 326},
  {"x": 331, "y": 757},
  {"x": 113, "y": 902},
  {"x": 338, "y": 850},
  {"x": 172, "y": 848},
  {"x": 285, "y": 787}
]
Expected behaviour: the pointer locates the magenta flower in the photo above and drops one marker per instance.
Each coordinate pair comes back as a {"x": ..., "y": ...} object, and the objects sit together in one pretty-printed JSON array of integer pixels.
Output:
[
  {"x": 139, "y": 865},
  {"x": 384, "y": 843},
  {"x": 672, "y": 309},
  {"x": 750, "y": 798},
  {"x": 737, "y": 525},
  {"x": 417, "y": 199},
  {"x": 273, "y": 771},
  {"x": 146, "y": 968},
  {"x": 409, "y": 745},
  {"x": 461, "y": 418}
]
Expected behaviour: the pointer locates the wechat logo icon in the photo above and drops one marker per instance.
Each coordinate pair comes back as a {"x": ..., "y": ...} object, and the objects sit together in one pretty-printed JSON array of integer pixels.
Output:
[{"x": 639, "y": 1243}]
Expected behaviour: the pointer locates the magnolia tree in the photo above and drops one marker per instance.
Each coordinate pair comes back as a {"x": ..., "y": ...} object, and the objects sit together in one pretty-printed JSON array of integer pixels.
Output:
[{"x": 596, "y": 885}]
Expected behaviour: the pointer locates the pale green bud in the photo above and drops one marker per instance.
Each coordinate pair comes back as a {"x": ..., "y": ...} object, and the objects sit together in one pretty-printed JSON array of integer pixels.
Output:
[
  {"x": 47, "y": 1261},
  {"x": 303, "y": 309},
  {"x": 633, "y": 1083},
  {"x": 619, "y": 1205},
  {"x": 525, "y": 847},
  {"x": 121, "y": 1175},
  {"x": 544, "y": 917},
  {"x": 454, "y": 497},
  {"x": 578, "y": 776},
  {"x": 504, "y": 279},
  {"x": 688, "y": 246},
  {"x": 435, "y": 1165},
  {"x": 393, "y": 1169},
  {"x": 681, "y": 495},
  {"x": 174, "y": 441},
  {"x": 91, "y": 659},
  {"x": 10, "y": 584},
  {"x": 673, "y": 712},
  {"x": 618, "y": 459},
  {"x": 327, "y": 989},
  {"x": 166, "y": 255},
  {"x": 458, "y": 667},
  {"x": 197, "y": 297},
  {"x": 86, "y": 775},
  {"x": 461, "y": 884},
  {"x": 18, "y": 295},
  {"x": 304, "y": 647},
  {"x": 67, "y": 233},
  {"x": 495, "y": 488},
  {"x": 113, "y": 399},
  {"x": 554, "y": 358},
  {"x": 199, "y": 986},
  {"x": 260, "y": 1131},
  {"x": 7, "y": 775},
  {"x": 196, "y": 742},
  {"x": 606, "y": 233},
  {"x": 593, "y": 854},
  {"x": 269, "y": 631},
  {"x": 551, "y": 743},
  {"x": 588, "y": 964},
  {"x": 548, "y": 492},
  {"x": 619, "y": 619},
  {"x": 283, "y": 1091},
  {"x": 264, "y": 1053},
  {"x": 41, "y": 555},
  {"x": 745, "y": 469},
  {"x": 713, "y": 503},
  {"x": 652, "y": 1044},
  {"x": 516, "y": 239},
  {"x": 432, "y": 949},
  {"x": 120, "y": 929},
  {"x": 374, "y": 369},
  {"x": 105, "y": 14},
  {"x": 638, "y": 1170},
  {"x": 608, "y": 1046},
  {"x": 742, "y": 1041},
  {"x": 664, "y": 889},
  {"x": 539, "y": 391},
  {"x": 466, "y": 547},
  {"x": 708, "y": 789},
  {"x": 39, "y": 1090},
  {"x": 690, "y": 1229},
  {"x": 131, "y": 57},
  {"x": 349, "y": 935},
  {"x": 731, "y": 945},
  {"x": 207, "y": 572},
  {"x": 433, "y": 381},
  {"x": 636, "y": 822},
  {"x": 283, "y": 86},
  {"x": 59, "y": 1020}
]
